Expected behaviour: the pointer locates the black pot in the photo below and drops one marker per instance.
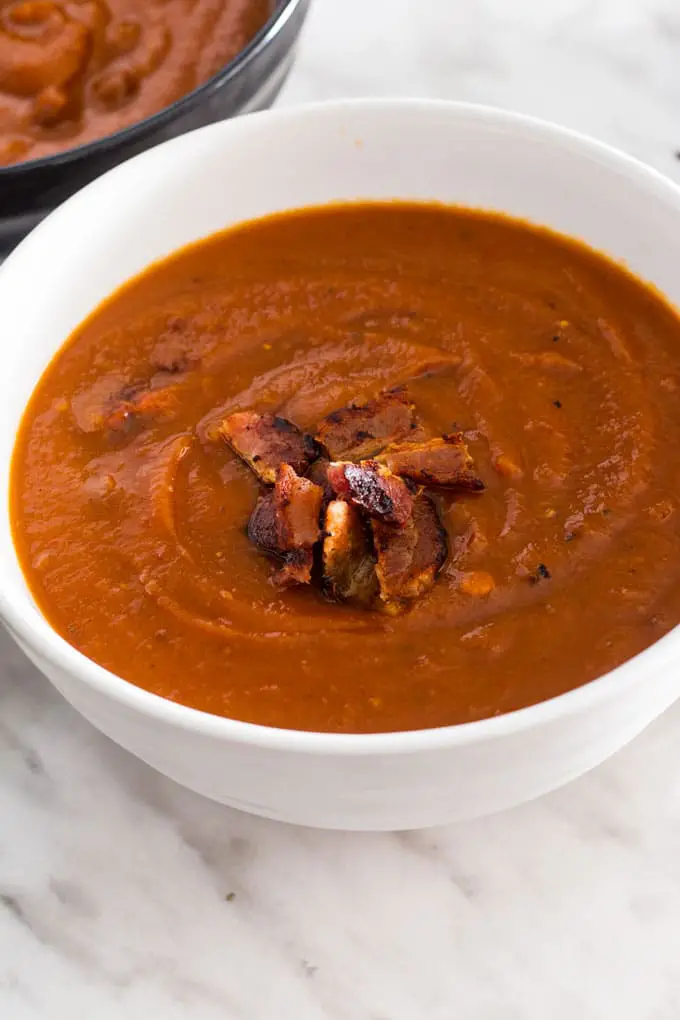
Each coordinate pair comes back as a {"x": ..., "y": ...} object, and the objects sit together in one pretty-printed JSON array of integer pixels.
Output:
[{"x": 251, "y": 81}]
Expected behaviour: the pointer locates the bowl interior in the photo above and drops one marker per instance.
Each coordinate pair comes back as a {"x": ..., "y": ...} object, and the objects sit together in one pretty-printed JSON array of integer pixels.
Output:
[{"x": 242, "y": 169}]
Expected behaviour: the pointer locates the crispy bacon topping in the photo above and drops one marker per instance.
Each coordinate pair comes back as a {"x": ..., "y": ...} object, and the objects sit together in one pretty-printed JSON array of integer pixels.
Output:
[
  {"x": 409, "y": 558},
  {"x": 318, "y": 473},
  {"x": 382, "y": 540},
  {"x": 298, "y": 505},
  {"x": 445, "y": 461},
  {"x": 263, "y": 528},
  {"x": 146, "y": 403},
  {"x": 265, "y": 441},
  {"x": 361, "y": 432},
  {"x": 348, "y": 563},
  {"x": 295, "y": 569},
  {"x": 114, "y": 406},
  {"x": 373, "y": 488},
  {"x": 171, "y": 355},
  {"x": 285, "y": 524}
]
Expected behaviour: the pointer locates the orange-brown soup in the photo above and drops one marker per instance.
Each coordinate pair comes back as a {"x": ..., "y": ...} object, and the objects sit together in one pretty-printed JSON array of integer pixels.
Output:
[
  {"x": 560, "y": 369},
  {"x": 72, "y": 71}
]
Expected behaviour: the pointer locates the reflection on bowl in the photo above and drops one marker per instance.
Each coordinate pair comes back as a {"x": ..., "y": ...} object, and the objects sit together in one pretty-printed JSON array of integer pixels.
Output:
[{"x": 249, "y": 82}]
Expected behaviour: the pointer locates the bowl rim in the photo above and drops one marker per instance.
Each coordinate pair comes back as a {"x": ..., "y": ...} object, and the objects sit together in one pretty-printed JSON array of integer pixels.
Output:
[
  {"x": 25, "y": 621},
  {"x": 281, "y": 14}
]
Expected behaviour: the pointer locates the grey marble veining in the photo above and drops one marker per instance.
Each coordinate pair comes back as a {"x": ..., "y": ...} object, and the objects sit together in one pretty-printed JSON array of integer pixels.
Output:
[{"x": 124, "y": 896}]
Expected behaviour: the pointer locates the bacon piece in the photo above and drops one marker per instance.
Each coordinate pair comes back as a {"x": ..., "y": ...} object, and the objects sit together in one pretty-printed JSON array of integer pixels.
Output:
[
  {"x": 285, "y": 524},
  {"x": 373, "y": 488},
  {"x": 445, "y": 461},
  {"x": 172, "y": 356},
  {"x": 318, "y": 473},
  {"x": 159, "y": 403},
  {"x": 264, "y": 441},
  {"x": 112, "y": 405},
  {"x": 361, "y": 432},
  {"x": 263, "y": 528},
  {"x": 91, "y": 405},
  {"x": 409, "y": 558},
  {"x": 296, "y": 569},
  {"x": 348, "y": 563},
  {"x": 298, "y": 505}
]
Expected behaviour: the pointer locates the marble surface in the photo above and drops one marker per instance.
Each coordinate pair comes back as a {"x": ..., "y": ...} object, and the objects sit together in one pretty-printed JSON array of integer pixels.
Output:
[{"x": 124, "y": 896}]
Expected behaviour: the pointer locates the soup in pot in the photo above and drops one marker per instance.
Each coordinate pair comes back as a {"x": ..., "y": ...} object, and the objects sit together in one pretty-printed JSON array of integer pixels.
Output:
[{"x": 72, "y": 71}]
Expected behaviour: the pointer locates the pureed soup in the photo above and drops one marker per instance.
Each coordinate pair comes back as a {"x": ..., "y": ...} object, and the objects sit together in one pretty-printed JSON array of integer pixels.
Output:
[
  {"x": 72, "y": 71},
  {"x": 360, "y": 468}
]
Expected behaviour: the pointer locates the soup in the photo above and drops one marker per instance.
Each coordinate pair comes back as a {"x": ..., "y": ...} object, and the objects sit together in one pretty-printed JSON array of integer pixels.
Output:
[
  {"x": 71, "y": 72},
  {"x": 360, "y": 468}
]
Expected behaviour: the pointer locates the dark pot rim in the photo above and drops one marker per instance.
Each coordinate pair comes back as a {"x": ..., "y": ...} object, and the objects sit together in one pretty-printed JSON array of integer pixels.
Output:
[{"x": 261, "y": 40}]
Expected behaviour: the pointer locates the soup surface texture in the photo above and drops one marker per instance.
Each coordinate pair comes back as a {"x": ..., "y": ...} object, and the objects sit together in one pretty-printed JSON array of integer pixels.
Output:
[
  {"x": 560, "y": 369},
  {"x": 75, "y": 70}
]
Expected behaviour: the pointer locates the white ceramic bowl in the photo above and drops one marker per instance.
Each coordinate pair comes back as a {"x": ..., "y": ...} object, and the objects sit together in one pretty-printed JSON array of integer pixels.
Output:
[{"x": 267, "y": 162}]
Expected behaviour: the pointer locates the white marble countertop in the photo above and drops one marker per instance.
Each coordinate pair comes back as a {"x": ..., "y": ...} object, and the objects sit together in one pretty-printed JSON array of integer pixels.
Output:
[{"x": 124, "y": 896}]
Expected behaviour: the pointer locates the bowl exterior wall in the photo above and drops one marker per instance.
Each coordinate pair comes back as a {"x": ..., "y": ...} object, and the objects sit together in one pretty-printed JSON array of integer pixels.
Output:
[{"x": 376, "y": 792}]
